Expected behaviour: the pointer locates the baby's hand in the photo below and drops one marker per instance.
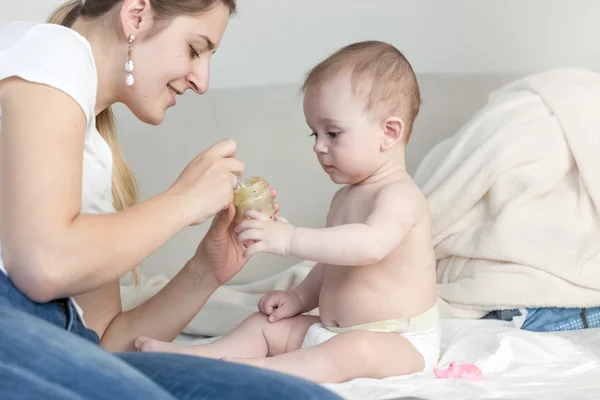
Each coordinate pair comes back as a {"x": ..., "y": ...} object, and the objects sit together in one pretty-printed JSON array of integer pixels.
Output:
[
  {"x": 267, "y": 235},
  {"x": 279, "y": 304}
]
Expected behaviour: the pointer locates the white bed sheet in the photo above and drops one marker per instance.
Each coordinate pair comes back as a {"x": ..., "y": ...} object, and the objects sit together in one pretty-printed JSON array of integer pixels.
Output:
[{"x": 515, "y": 364}]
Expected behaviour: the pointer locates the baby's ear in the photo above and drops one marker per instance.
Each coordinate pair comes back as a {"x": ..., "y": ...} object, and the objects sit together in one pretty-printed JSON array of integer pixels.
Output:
[{"x": 393, "y": 132}]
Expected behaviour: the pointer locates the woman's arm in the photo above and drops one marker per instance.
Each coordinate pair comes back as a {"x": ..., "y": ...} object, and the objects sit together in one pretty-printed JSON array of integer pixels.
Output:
[
  {"x": 163, "y": 316},
  {"x": 50, "y": 249},
  {"x": 217, "y": 259}
]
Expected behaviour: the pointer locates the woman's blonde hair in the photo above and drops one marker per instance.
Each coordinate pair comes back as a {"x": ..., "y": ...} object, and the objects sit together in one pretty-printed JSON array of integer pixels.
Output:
[{"x": 124, "y": 187}]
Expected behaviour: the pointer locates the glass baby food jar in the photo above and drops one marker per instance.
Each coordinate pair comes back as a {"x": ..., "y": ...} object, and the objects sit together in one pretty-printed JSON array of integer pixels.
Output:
[{"x": 252, "y": 194}]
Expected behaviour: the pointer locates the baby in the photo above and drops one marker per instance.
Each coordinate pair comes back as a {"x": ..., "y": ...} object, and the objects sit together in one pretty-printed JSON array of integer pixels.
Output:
[{"x": 374, "y": 282}]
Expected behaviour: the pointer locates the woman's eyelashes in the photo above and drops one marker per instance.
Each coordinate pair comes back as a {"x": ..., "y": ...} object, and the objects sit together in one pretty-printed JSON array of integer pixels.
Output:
[{"x": 193, "y": 52}]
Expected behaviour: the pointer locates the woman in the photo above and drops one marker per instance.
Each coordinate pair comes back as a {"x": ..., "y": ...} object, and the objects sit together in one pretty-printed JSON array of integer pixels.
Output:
[{"x": 70, "y": 225}]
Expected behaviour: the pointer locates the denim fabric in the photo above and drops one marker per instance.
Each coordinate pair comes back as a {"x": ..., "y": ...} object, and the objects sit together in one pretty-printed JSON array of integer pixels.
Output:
[
  {"x": 61, "y": 313},
  {"x": 561, "y": 319},
  {"x": 47, "y": 353},
  {"x": 552, "y": 319}
]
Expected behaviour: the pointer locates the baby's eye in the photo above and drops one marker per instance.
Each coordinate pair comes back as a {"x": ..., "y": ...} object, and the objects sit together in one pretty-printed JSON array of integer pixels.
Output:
[
  {"x": 313, "y": 134},
  {"x": 333, "y": 135}
]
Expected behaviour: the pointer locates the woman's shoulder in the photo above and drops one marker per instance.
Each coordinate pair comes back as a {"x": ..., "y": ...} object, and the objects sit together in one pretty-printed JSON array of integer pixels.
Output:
[
  {"x": 53, "y": 55},
  {"x": 19, "y": 33}
]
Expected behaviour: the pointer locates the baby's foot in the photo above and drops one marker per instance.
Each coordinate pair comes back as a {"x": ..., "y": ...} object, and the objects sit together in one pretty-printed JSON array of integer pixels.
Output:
[{"x": 148, "y": 345}]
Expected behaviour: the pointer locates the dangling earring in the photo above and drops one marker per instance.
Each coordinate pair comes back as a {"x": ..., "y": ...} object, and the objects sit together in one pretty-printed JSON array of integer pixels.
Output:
[{"x": 129, "y": 63}]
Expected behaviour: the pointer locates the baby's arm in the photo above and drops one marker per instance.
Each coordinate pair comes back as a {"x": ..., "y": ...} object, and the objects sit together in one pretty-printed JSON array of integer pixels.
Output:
[
  {"x": 394, "y": 212},
  {"x": 278, "y": 304},
  {"x": 309, "y": 289}
]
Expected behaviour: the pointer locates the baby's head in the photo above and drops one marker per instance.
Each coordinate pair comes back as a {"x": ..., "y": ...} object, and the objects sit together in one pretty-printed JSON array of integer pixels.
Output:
[{"x": 361, "y": 103}]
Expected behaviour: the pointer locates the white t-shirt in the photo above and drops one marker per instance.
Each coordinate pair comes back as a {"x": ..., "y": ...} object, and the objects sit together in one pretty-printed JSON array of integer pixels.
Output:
[{"x": 61, "y": 58}]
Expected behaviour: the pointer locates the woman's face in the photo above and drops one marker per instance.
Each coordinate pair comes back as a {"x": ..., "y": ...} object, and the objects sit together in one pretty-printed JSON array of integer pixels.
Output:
[{"x": 171, "y": 61}]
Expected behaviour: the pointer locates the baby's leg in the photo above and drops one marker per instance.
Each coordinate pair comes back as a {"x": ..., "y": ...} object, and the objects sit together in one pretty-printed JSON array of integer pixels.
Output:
[
  {"x": 350, "y": 355},
  {"x": 254, "y": 337}
]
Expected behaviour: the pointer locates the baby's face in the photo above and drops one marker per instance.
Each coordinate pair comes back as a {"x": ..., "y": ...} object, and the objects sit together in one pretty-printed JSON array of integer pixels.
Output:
[{"x": 347, "y": 137}]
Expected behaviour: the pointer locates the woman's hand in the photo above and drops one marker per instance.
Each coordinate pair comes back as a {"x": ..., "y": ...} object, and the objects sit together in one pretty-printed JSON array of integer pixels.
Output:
[
  {"x": 220, "y": 252},
  {"x": 206, "y": 183}
]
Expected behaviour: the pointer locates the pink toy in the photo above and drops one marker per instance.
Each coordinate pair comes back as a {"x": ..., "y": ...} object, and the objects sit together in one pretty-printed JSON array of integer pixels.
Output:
[{"x": 460, "y": 371}]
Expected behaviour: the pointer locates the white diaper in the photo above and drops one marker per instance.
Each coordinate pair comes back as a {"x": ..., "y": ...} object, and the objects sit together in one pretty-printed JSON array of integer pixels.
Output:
[{"x": 424, "y": 332}]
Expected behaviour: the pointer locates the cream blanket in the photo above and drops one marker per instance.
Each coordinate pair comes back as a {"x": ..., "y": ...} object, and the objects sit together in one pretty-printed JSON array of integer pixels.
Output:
[{"x": 515, "y": 199}]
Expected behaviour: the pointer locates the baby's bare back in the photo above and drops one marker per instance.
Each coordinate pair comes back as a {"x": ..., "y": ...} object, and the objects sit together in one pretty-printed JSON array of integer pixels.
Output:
[{"x": 401, "y": 285}]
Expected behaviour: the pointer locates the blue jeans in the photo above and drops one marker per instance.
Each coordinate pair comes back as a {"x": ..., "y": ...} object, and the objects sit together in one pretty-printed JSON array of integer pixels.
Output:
[
  {"x": 552, "y": 319},
  {"x": 47, "y": 353}
]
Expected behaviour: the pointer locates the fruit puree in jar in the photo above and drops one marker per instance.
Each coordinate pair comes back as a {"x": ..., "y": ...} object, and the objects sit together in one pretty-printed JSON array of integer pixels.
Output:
[{"x": 252, "y": 194}]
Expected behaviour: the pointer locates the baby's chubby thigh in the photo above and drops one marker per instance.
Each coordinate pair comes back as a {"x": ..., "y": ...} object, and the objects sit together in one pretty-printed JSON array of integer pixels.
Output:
[
  {"x": 369, "y": 354},
  {"x": 393, "y": 354}
]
